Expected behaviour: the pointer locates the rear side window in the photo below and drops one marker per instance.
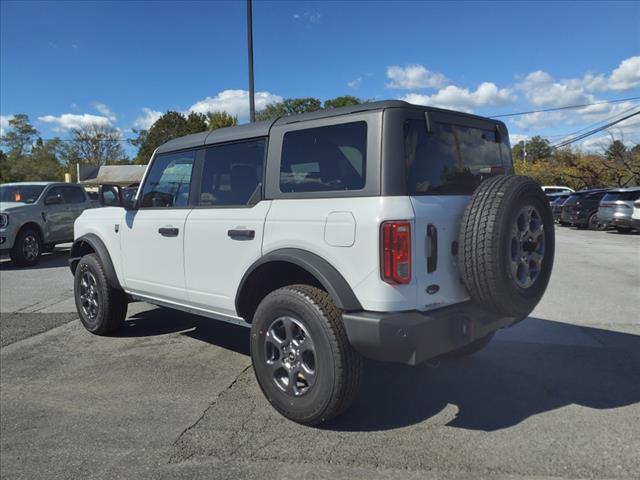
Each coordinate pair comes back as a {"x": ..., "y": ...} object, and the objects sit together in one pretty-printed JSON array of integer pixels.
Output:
[
  {"x": 624, "y": 196},
  {"x": 72, "y": 195},
  {"x": 451, "y": 159},
  {"x": 168, "y": 182},
  {"x": 232, "y": 173},
  {"x": 330, "y": 158}
]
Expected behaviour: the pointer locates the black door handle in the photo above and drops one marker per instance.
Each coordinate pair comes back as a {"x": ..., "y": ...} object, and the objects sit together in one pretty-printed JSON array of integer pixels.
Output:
[
  {"x": 241, "y": 234},
  {"x": 432, "y": 257},
  {"x": 168, "y": 231}
]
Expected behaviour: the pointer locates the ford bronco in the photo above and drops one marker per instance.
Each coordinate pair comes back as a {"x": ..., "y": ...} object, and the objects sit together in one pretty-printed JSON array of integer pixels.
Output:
[{"x": 387, "y": 230}]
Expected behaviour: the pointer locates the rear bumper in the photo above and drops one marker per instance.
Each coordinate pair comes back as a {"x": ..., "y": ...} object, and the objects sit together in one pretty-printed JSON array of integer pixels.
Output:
[{"x": 413, "y": 337}]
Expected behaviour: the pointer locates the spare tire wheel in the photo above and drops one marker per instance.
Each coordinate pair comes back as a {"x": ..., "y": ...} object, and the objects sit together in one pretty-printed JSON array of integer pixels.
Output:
[{"x": 507, "y": 245}]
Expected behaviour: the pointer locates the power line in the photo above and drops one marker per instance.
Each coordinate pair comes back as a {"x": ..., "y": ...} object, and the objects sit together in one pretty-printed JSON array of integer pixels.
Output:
[
  {"x": 594, "y": 131},
  {"x": 592, "y": 125},
  {"x": 564, "y": 108}
]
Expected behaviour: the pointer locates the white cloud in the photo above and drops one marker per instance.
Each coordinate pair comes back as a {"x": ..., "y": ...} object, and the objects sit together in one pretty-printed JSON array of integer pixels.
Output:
[
  {"x": 4, "y": 122},
  {"x": 234, "y": 102},
  {"x": 148, "y": 118},
  {"x": 516, "y": 138},
  {"x": 414, "y": 77},
  {"x": 541, "y": 89},
  {"x": 457, "y": 98},
  {"x": 70, "y": 121},
  {"x": 105, "y": 110},
  {"x": 355, "y": 83},
  {"x": 309, "y": 17},
  {"x": 626, "y": 76}
]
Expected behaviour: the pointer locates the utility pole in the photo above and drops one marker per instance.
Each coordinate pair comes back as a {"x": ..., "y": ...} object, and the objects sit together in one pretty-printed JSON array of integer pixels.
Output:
[{"x": 252, "y": 101}]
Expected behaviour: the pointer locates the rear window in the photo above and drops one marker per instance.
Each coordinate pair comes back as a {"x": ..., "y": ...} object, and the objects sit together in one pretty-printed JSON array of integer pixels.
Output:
[
  {"x": 624, "y": 196},
  {"x": 571, "y": 200},
  {"x": 321, "y": 159},
  {"x": 451, "y": 159}
]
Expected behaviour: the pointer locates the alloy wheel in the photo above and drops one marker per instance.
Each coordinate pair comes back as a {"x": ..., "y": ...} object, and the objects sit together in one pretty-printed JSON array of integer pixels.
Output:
[{"x": 527, "y": 246}]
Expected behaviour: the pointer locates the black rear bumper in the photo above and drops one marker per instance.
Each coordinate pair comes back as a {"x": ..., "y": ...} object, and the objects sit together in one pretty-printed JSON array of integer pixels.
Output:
[{"x": 413, "y": 337}]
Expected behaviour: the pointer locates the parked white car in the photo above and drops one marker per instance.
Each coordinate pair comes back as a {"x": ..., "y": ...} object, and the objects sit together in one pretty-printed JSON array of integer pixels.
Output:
[
  {"x": 385, "y": 230},
  {"x": 549, "y": 189}
]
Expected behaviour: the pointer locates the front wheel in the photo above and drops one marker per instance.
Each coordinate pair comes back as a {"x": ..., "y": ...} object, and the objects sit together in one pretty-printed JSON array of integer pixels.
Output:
[
  {"x": 102, "y": 308},
  {"x": 301, "y": 356},
  {"x": 27, "y": 248}
]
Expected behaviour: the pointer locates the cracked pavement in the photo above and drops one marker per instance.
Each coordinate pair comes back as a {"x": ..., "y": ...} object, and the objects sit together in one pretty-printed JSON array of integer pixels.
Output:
[{"x": 173, "y": 395}]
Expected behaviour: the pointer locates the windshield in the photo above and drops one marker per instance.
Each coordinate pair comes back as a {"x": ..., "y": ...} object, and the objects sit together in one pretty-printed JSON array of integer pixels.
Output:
[{"x": 20, "y": 193}]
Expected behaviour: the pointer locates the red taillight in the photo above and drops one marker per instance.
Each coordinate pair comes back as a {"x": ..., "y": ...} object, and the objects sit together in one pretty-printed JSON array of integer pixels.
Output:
[{"x": 395, "y": 243}]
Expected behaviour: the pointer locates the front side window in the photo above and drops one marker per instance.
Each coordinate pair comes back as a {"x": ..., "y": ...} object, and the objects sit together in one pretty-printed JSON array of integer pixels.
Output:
[
  {"x": 451, "y": 159},
  {"x": 168, "y": 182},
  {"x": 232, "y": 173},
  {"x": 322, "y": 159}
]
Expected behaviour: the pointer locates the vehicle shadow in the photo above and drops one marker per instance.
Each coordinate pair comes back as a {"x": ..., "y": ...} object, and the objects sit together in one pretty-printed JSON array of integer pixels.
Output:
[
  {"x": 161, "y": 321},
  {"x": 537, "y": 366},
  {"x": 54, "y": 259},
  {"x": 545, "y": 366}
]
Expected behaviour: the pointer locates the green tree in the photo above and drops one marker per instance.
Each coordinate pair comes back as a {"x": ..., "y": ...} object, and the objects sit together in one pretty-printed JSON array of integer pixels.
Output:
[
  {"x": 536, "y": 148},
  {"x": 217, "y": 120},
  {"x": 41, "y": 165},
  {"x": 4, "y": 168},
  {"x": 20, "y": 136},
  {"x": 616, "y": 151},
  {"x": 169, "y": 126},
  {"x": 195, "y": 123},
  {"x": 289, "y": 106},
  {"x": 342, "y": 101}
]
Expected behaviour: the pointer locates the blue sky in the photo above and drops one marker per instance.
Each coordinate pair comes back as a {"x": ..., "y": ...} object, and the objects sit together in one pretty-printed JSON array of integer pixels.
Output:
[{"x": 123, "y": 63}]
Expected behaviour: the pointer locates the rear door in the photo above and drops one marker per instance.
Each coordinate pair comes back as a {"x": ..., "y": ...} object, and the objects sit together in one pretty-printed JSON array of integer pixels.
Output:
[
  {"x": 223, "y": 233},
  {"x": 447, "y": 157},
  {"x": 74, "y": 201}
]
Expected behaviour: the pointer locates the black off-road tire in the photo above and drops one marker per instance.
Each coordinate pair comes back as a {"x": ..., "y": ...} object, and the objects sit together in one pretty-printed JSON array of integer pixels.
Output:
[
  {"x": 338, "y": 367},
  {"x": 486, "y": 255},
  {"x": 470, "y": 349},
  {"x": 27, "y": 248},
  {"x": 112, "y": 303}
]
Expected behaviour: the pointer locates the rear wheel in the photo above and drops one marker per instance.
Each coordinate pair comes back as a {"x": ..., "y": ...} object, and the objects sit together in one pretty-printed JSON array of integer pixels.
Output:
[
  {"x": 301, "y": 356},
  {"x": 102, "y": 308},
  {"x": 27, "y": 248}
]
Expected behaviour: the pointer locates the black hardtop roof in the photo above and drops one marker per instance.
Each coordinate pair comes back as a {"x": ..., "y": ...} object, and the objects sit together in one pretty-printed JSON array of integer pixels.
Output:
[{"x": 261, "y": 129}]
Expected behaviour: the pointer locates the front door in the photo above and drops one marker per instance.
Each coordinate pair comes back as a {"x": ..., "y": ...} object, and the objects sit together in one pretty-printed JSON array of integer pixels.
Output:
[
  {"x": 152, "y": 236},
  {"x": 57, "y": 216},
  {"x": 224, "y": 233}
]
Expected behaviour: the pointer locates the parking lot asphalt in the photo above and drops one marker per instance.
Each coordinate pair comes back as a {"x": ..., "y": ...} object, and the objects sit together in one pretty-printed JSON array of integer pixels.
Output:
[{"x": 173, "y": 395}]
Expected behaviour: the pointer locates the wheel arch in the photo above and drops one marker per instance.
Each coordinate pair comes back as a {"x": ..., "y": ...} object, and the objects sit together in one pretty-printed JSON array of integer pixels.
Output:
[
  {"x": 35, "y": 225},
  {"x": 91, "y": 243},
  {"x": 289, "y": 266}
]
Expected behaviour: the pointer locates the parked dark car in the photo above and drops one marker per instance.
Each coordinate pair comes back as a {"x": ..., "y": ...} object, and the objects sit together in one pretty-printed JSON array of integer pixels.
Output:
[
  {"x": 581, "y": 209},
  {"x": 616, "y": 208},
  {"x": 556, "y": 201}
]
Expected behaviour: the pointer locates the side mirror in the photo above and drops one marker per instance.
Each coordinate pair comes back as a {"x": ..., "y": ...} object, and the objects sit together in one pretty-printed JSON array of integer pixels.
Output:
[
  {"x": 53, "y": 200},
  {"x": 115, "y": 196}
]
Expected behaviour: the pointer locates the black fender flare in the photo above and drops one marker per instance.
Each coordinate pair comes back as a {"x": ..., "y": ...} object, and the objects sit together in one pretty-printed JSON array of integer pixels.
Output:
[
  {"x": 98, "y": 246},
  {"x": 332, "y": 281}
]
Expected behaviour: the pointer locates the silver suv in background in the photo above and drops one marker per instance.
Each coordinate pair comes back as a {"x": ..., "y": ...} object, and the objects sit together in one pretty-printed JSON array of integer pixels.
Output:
[
  {"x": 35, "y": 216},
  {"x": 616, "y": 208}
]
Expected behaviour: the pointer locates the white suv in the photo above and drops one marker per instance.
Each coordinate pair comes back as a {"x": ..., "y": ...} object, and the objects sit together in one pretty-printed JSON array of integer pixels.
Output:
[{"x": 385, "y": 230}]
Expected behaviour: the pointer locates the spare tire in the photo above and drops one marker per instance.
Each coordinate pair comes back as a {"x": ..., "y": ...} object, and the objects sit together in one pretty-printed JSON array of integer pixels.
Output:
[{"x": 506, "y": 245}]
